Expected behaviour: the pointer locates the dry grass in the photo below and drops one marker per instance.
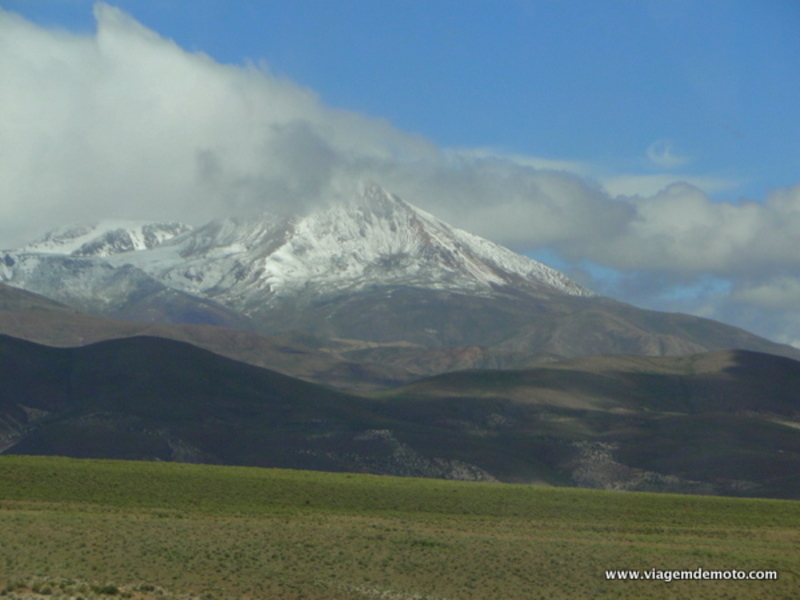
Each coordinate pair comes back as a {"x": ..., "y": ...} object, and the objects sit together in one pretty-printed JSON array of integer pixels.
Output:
[{"x": 371, "y": 538}]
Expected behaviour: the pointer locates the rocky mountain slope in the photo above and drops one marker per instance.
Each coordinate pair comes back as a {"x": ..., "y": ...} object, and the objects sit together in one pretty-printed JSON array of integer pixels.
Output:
[{"x": 32, "y": 317}]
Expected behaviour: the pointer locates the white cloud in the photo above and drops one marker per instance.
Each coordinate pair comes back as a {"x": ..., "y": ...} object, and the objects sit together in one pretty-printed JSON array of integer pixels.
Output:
[
  {"x": 781, "y": 293},
  {"x": 662, "y": 154},
  {"x": 681, "y": 230},
  {"x": 124, "y": 123},
  {"x": 515, "y": 205}
]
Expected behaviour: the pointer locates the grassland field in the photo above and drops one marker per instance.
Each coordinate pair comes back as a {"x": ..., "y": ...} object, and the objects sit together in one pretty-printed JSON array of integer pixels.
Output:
[{"x": 100, "y": 529}]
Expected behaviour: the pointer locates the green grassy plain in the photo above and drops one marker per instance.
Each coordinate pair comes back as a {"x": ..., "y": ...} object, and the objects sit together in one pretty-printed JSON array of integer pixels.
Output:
[{"x": 101, "y": 529}]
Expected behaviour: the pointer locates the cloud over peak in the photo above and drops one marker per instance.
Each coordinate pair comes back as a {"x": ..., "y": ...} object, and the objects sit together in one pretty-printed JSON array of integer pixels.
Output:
[
  {"x": 123, "y": 123},
  {"x": 126, "y": 123}
]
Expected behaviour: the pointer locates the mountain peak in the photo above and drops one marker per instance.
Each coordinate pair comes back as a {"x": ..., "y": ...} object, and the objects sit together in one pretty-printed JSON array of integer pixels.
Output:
[
  {"x": 372, "y": 239},
  {"x": 370, "y": 269},
  {"x": 378, "y": 198}
]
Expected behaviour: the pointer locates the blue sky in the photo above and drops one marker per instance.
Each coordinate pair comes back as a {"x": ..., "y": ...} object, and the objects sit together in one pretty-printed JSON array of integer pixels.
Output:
[{"x": 553, "y": 127}]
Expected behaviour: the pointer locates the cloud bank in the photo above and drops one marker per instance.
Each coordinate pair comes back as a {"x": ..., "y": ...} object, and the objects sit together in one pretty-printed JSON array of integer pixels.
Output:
[{"x": 124, "y": 123}]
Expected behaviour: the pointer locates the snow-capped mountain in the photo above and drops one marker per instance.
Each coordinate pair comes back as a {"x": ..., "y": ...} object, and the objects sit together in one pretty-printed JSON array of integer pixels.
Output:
[
  {"x": 70, "y": 265},
  {"x": 247, "y": 264},
  {"x": 373, "y": 240},
  {"x": 272, "y": 268},
  {"x": 372, "y": 269}
]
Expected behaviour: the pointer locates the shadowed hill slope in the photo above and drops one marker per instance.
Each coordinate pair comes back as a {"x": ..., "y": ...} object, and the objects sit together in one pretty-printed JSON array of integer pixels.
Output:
[
  {"x": 726, "y": 420},
  {"x": 726, "y": 381},
  {"x": 722, "y": 423}
]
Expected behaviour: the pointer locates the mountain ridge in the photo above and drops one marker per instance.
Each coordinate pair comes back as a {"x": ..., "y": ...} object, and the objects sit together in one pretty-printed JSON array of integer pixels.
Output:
[
  {"x": 104, "y": 238},
  {"x": 371, "y": 268}
]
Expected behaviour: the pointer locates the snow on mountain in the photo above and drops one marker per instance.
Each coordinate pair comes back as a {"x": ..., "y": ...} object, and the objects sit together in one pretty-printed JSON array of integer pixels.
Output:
[
  {"x": 369, "y": 269},
  {"x": 67, "y": 264},
  {"x": 372, "y": 240},
  {"x": 375, "y": 239},
  {"x": 105, "y": 238}
]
